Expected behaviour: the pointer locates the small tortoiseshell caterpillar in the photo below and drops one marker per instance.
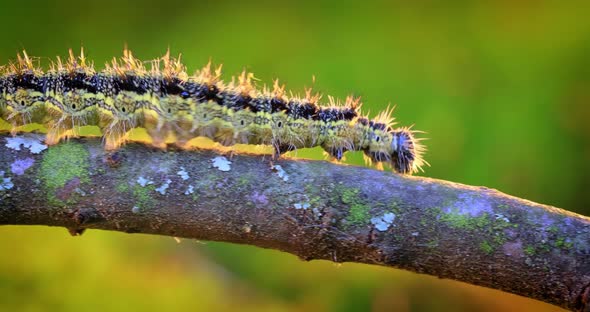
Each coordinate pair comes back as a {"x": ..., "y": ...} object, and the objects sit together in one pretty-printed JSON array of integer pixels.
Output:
[{"x": 168, "y": 103}]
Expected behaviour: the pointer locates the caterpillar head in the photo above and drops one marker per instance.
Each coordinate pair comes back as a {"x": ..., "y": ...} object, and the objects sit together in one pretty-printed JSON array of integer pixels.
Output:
[{"x": 407, "y": 151}]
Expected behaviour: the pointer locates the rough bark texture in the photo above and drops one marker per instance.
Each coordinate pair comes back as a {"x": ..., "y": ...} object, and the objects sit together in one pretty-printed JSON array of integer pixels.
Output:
[{"x": 313, "y": 209}]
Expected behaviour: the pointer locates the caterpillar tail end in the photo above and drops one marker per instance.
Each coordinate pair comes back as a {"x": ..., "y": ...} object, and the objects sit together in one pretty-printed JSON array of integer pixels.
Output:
[{"x": 408, "y": 152}]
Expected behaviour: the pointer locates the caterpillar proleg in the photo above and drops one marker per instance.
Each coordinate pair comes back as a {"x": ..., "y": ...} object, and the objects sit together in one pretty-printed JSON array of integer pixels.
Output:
[{"x": 161, "y": 97}]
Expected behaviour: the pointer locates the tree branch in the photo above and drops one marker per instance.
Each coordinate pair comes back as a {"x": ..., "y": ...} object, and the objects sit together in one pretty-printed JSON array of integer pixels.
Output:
[{"x": 313, "y": 209}]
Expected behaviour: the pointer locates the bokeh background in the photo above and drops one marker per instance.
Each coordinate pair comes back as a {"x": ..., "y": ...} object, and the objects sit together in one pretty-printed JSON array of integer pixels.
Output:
[{"x": 501, "y": 88}]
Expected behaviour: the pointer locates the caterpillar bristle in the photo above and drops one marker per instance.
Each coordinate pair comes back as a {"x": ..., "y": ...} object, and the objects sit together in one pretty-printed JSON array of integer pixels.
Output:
[
  {"x": 25, "y": 64},
  {"x": 353, "y": 103},
  {"x": 386, "y": 118},
  {"x": 311, "y": 97},
  {"x": 407, "y": 151},
  {"x": 245, "y": 84},
  {"x": 77, "y": 63},
  {"x": 173, "y": 67},
  {"x": 207, "y": 76},
  {"x": 278, "y": 90},
  {"x": 176, "y": 108}
]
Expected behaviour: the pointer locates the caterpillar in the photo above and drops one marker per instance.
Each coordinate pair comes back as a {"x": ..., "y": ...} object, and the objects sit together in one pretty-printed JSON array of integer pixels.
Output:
[{"x": 168, "y": 103}]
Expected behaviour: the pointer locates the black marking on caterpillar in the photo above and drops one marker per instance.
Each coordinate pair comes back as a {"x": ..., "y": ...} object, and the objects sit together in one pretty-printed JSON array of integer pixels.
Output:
[{"x": 167, "y": 102}]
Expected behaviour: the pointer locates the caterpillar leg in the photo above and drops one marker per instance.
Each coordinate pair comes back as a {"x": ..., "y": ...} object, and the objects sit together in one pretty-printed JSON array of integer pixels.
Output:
[
  {"x": 225, "y": 135},
  {"x": 159, "y": 142},
  {"x": 114, "y": 141},
  {"x": 182, "y": 132},
  {"x": 52, "y": 138},
  {"x": 158, "y": 137},
  {"x": 182, "y": 138},
  {"x": 55, "y": 135},
  {"x": 117, "y": 117},
  {"x": 280, "y": 149},
  {"x": 207, "y": 131},
  {"x": 337, "y": 153},
  {"x": 64, "y": 128},
  {"x": 261, "y": 135},
  {"x": 242, "y": 138},
  {"x": 116, "y": 133},
  {"x": 156, "y": 129}
]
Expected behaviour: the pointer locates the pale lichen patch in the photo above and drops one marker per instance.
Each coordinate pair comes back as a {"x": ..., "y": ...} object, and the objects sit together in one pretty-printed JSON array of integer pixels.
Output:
[
  {"x": 317, "y": 212},
  {"x": 183, "y": 174},
  {"x": 32, "y": 142},
  {"x": 382, "y": 223},
  {"x": 189, "y": 190},
  {"x": 5, "y": 182},
  {"x": 79, "y": 191},
  {"x": 162, "y": 189},
  {"x": 143, "y": 181},
  {"x": 221, "y": 163},
  {"x": 501, "y": 217},
  {"x": 303, "y": 206},
  {"x": 280, "y": 172},
  {"x": 19, "y": 166}
]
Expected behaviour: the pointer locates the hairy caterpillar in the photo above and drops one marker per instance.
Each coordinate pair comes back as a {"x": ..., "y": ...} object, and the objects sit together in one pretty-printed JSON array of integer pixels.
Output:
[{"x": 169, "y": 103}]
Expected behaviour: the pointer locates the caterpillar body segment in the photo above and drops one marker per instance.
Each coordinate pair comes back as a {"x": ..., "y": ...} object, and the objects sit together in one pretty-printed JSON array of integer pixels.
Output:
[
  {"x": 175, "y": 107},
  {"x": 167, "y": 117},
  {"x": 22, "y": 99}
]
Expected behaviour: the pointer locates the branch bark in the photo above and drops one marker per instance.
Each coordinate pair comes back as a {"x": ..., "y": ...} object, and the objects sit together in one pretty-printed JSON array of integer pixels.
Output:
[{"x": 313, "y": 209}]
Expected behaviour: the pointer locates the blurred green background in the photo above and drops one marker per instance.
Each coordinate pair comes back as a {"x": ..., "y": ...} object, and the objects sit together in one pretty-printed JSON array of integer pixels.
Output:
[{"x": 501, "y": 88}]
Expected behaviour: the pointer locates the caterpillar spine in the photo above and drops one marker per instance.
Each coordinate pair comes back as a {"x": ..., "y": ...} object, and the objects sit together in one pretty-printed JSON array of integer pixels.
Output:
[{"x": 169, "y": 103}]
